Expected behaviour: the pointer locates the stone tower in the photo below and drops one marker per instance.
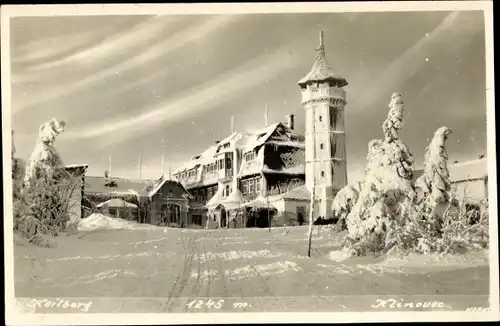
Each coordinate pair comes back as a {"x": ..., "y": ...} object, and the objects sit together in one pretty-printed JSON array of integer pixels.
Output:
[{"x": 324, "y": 99}]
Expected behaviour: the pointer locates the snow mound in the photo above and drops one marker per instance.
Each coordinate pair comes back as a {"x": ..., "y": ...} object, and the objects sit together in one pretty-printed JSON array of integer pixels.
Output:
[{"x": 103, "y": 222}]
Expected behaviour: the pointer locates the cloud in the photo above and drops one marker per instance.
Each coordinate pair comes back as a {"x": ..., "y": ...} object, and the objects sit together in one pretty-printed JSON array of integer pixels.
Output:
[
  {"x": 211, "y": 95},
  {"x": 136, "y": 37},
  {"x": 47, "y": 48},
  {"x": 409, "y": 62},
  {"x": 160, "y": 49}
]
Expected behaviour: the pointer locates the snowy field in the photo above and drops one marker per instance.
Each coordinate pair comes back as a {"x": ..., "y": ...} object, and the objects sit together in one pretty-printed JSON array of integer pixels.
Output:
[{"x": 267, "y": 270}]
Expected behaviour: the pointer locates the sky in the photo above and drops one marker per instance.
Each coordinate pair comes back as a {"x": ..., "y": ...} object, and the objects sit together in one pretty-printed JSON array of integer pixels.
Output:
[{"x": 150, "y": 85}]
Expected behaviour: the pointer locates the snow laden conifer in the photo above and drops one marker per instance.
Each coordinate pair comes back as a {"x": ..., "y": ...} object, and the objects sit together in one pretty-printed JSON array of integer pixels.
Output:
[
  {"x": 433, "y": 186},
  {"x": 387, "y": 188},
  {"x": 43, "y": 206},
  {"x": 343, "y": 203}
]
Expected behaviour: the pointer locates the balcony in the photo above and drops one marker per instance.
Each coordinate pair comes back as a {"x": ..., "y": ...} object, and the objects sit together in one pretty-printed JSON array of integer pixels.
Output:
[{"x": 323, "y": 92}]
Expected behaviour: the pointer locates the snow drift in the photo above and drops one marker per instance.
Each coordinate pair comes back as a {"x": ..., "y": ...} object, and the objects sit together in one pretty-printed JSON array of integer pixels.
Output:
[{"x": 102, "y": 222}]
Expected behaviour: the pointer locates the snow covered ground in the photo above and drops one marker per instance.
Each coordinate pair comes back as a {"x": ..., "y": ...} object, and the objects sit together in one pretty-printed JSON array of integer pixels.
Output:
[{"x": 269, "y": 269}]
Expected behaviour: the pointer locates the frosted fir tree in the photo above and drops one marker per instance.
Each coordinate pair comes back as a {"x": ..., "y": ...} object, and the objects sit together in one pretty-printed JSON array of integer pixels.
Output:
[
  {"x": 375, "y": 156},
  {"x": 45, "y": 161},
  {"x": 433, "y": 186},
  {"x": 18, "y": 170},
  {"x": 44, "y": 203},
  {"x": 387, "y": 188},
  {"x": 343, "y": 203}
]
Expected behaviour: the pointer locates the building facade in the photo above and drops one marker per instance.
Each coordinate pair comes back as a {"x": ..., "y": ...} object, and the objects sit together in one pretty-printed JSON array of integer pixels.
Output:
[
  {"x": 242, "y": 167},
  {"x": 161, "y": 202},
  {"x": 324, "y": 99},
  {"x": 469, "y": 180},
  {"x": 76, "y": 209}
]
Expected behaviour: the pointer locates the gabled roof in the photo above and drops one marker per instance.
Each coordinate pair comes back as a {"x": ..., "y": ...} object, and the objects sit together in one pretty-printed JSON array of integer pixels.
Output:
[
  {"x": 205, "y": 157},
  {"x": 234, "y": 200},
  {"x": 298, "y": 193},
  {"x": 97, "y": 185},
  {"x": 321, "y": 70},
  {"x": 117, "y": 202},
  {"x": 245, "y": 142},
  {"x": 160, "y": 182},
  {"x": 259, "y": 202}
]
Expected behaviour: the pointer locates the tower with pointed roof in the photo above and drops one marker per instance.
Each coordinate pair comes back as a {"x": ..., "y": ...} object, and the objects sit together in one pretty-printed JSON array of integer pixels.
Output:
[{"x": 324, "y": 99}]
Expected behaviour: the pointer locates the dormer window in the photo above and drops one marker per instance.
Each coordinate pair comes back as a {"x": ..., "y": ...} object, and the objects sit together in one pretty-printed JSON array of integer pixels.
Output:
[{"x": 250, "y": 156}]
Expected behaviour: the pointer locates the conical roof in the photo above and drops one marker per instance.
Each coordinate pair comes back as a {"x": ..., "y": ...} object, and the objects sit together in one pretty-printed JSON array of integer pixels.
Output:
[{"x": 321, "y": 70}]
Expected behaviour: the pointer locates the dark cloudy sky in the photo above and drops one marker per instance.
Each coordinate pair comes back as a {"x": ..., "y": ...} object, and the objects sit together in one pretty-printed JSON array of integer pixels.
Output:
[{"x": 127, "y": 85}]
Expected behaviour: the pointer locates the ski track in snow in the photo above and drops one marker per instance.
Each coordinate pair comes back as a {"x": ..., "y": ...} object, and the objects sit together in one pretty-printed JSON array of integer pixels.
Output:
[
  {"x": 251, "y": 271},
  {"x": 235, "y": 255}
]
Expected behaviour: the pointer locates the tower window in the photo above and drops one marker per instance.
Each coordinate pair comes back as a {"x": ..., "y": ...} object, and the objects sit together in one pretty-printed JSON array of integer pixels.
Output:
[
  {"x": 320, "y": 118},
  {"x": 322, "y": 174},
  {"x": 321, "y": 145}
]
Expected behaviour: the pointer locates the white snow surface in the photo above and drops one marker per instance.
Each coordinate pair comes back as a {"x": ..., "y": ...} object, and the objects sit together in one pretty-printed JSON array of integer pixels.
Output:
[{"x": 98, "y": 221}]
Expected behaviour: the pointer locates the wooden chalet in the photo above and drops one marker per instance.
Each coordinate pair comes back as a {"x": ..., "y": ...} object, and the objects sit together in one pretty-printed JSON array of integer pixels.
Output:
[
  {"x": 159, "y": 202},
  {"x": 240, "y": 168}
]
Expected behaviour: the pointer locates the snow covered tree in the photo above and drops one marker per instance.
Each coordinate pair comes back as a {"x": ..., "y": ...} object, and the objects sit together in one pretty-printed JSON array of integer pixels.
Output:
[
  {"x": 18, "y": 169},
  {"x": 343, "y": 202},
  {"x": 44, "y": 203},
  {"x": 433, "y": 186},
  {"x": 387, "y": 188}
]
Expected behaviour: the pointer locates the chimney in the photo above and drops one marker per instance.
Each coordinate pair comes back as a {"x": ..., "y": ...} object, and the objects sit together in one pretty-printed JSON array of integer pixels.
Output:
[
  {"x": 290, "y": 121},
  {"x": 232, "y": 124}
]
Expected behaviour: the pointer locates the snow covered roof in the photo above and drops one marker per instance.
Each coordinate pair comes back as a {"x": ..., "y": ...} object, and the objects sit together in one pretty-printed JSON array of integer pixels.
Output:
[
  {"x": 259, "y": 202},
  {"x": 245, "y": 142},
  {"x": 254, "y": 166},
  {"x": 160, "y": 182},
  {"x": 294, "y": 170},
  {"x": 116, "y": 202},
  {"x": 72, "y": 166},
  {"x": 97, "y": 185},
  {"x": 207, "y": 156},
  {"x": 234, "y": 200},
  {"x": 463, "y": 171},
  {"x": 469, "y": 170},
  {"x": 321, "y": 70},
  {"x": 298, "y": 193}
]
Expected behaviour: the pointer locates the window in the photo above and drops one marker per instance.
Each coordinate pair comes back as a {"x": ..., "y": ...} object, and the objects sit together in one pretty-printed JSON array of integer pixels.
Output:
[
  {"x": 249, "y": 156},
  {"x": 321, "y": 146},
  {"x": 322, "y": 174},
  {"x": 333, "y": 118},
  {"x": 257, "y": 185},
  {"x": 221, "y": 164},
  {"x": 244, "y": 187},
  {"x": 228, "y": 163},
  {"x": 251, "y": 186},
  {"x": 227, "y": 190},
  {"x": 320, "y": 118}
]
